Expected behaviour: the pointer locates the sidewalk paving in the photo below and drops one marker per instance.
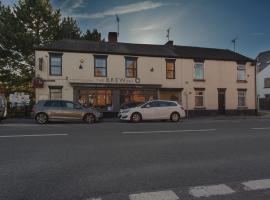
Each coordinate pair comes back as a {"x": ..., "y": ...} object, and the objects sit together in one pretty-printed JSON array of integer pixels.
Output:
[{"x": 261, "y": 115}]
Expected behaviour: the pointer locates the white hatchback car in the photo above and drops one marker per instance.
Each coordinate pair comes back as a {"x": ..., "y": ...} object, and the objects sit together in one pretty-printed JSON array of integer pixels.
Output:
[{"x": 154, "y": 110}]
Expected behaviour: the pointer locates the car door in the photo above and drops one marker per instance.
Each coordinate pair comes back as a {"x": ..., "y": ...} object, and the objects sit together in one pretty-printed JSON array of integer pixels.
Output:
[
  {"x": 161, "y": 111},
  {"x": 53, "y": 109},
  {"x": 148, "y": 110},
  {"x": 71, "y": 110}
]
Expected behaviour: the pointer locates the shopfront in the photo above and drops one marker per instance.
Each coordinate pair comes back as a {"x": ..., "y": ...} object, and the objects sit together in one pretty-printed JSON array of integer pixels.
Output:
[{"x": 109, "y": 97}]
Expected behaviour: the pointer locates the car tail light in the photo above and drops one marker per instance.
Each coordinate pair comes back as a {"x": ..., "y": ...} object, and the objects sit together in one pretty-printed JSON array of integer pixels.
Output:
[{"x": 182, "y": 108}]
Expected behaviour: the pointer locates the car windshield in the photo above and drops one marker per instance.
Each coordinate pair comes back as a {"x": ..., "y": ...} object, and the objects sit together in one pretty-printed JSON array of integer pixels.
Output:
[{"x": 130, "y": 105}]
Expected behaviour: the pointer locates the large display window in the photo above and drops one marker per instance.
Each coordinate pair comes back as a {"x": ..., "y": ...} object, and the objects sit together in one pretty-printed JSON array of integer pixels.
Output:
[
  {"x": 100, "y": 99},
  {"x": 136, "y": 96},
  {"x": 171, "y": 95}
]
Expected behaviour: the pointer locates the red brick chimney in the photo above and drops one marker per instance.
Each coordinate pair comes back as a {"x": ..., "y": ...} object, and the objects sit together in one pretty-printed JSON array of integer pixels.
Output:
[{"x": 112, "y": 37}]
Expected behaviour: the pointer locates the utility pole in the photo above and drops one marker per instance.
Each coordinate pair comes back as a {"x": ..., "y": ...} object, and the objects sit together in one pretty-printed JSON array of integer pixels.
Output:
[
  {"x": 168, "y": 33},
  {"x": 117, "y": 20},
  {"x": 234, "y": 43}
]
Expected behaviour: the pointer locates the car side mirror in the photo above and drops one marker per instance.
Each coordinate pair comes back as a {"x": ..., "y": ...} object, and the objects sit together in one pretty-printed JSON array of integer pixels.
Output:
[{"x": 147, "y": 106}]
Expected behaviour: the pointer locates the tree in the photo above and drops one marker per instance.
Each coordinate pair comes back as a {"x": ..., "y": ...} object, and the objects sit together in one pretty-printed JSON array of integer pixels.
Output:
[
  {"x": 29, "y": 24},
  {"x": 92, "y": 36},
  {"x": 69, "y": 29},
  {"x": 14, "y": 71}
]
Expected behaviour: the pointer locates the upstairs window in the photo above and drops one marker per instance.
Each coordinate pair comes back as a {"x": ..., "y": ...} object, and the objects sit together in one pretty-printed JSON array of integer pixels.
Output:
[
  {"x": 131, "y": 67},
  {"x": 170, "y": 68},
  {"x": 100, "y": 66},
  {"x": 55, "y": 64},
  {"x": 242, "y": 98},
  {"x": 267, "y": 82},
  {"x": 241, "y": 73},
  {"x": 199, "y": 71}
]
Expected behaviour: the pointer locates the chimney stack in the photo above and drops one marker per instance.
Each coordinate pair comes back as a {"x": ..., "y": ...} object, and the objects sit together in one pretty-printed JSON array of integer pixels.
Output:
[
  {"x": 112, "y": 37},
  {"x": 169, "y": 43}
]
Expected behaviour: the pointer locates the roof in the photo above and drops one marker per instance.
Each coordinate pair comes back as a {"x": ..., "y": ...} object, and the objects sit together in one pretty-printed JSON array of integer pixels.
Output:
[
  {"x": 167, "y": 51},
  {"x": 263, "y": 60}
]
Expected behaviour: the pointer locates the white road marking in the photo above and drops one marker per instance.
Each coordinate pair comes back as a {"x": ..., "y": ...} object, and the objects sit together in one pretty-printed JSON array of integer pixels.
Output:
[
  {"x": 170, "y": 131},
  {"x": 261, "y": 128},
  {"x": 94, "y": 199},
  {"x": 207, "y": 191},
  {"x": 257, "y": 184},
  {"x": 31, "y": 135},
  {"x": 160, "y": 195}
]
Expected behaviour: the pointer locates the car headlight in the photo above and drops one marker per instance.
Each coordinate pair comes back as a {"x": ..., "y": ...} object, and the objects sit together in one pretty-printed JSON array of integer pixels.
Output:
[{"x": 125, "y": 111}]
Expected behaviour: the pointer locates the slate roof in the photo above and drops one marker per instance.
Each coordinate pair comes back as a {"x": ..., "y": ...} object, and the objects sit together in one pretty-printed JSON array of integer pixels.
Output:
[
  {"x": 83, "y": 46},
  {"x": 263, "y": 60}
]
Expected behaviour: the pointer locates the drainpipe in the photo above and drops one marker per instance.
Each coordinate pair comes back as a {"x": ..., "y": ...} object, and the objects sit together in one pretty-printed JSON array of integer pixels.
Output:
[{"x": 256, "y": 96}]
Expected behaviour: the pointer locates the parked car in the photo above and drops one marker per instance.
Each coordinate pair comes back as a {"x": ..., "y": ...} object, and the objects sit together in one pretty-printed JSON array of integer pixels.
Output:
[
  {"x": 154, "y": 110},
  {"x": 3, "y": 107},
  {"x": 46, "y": 110},
  {"x": 130, "y": 105}
]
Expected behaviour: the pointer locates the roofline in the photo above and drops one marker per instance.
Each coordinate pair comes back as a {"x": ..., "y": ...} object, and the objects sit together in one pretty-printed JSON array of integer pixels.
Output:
[{"x": 138, "y": 54}]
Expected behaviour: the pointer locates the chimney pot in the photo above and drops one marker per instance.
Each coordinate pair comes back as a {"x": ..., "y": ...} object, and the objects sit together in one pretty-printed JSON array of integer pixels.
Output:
[{"x": 112, "y": 37}]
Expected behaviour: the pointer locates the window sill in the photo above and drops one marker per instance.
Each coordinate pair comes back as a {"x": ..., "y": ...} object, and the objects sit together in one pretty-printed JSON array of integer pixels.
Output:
[
  {"x": 242, "y": 108},
  {"x": 242, "y": 81},
  {"x": 199, "y": 108},
  {"x": 55, "y": 75},
  {"x": 199, "y": 80}
]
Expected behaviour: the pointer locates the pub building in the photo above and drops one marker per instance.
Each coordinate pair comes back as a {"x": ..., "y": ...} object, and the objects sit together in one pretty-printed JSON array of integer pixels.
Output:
[{"x": 106, "y": 75}]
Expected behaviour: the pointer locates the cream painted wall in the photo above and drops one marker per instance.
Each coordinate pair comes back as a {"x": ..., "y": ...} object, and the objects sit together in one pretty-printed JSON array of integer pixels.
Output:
[{"x": 218, "y": 74}]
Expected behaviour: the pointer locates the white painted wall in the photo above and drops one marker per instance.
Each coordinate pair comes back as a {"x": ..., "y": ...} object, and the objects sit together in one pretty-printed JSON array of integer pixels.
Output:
[
  {"x": 265, "y": 73},
  {"x": 218, "y": 74}
]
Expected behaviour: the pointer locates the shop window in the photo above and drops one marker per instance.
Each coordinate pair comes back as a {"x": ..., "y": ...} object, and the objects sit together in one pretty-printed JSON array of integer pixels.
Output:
[
  {"x": 241, "y": 98},
  {"x": 97, "y": 98},
  {"x": 199, "y": 98},
  {"x": 131, "y": 67},
  {"x": 55, "y": 64},
  {"x": 55, "y": 93},
  {"x": 136, "y": 96},
  {"x": 199, "y": 71},
  {"x": 100, "y": 66},
  {"x": 241, "y": 73},
  {"x": 171, "y": 95},
  {"x": 170, "y": 68}
]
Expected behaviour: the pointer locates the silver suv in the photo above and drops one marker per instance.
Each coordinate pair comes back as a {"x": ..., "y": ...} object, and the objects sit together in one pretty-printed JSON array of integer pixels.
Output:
[
  {"x": 46, "y": 110},
  {"x": 3, "y": 107}
]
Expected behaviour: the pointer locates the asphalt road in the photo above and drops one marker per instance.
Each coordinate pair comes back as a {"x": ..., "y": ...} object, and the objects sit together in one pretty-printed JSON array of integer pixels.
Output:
[{"x": 111, "y": 160}]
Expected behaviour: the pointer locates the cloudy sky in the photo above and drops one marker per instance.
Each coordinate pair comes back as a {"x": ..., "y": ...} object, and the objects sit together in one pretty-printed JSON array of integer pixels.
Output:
[{"x": 207, "y": 23}]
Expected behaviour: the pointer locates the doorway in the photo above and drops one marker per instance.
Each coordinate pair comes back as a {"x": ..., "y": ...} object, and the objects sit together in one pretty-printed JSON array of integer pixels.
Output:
[{"x": 221, "y": 101}]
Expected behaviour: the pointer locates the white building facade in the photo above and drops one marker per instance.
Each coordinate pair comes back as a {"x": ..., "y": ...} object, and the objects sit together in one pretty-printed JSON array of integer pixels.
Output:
[{"x": 106, "y": 75}]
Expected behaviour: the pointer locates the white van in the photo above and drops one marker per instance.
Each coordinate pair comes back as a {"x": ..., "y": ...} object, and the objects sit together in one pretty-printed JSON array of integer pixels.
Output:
[{"x": 3, "y": 107}]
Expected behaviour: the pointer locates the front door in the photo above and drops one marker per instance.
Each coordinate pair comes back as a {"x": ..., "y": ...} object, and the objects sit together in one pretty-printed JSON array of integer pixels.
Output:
[{"x": 221, "y": 101}]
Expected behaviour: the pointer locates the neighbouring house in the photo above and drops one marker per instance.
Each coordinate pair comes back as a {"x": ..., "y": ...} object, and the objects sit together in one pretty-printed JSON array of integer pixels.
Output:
[
  {"x": 107, "y": 74},
  {"x": 263, "y": 79}
]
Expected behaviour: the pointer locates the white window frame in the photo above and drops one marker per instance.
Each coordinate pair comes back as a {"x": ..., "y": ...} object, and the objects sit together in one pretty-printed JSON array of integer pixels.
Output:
[
  {"x": 198, "y": 95},
  {"x": 241, "y": 69},
  {"x": 194, "y": 74},
  {"x": 51, "y": 92},
  {"x": 243, "y": 95}
]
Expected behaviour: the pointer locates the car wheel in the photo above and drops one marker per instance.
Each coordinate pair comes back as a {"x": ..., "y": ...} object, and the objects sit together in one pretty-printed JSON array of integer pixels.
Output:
[
  {"x": 136, "y": 117},
  {"x": 41, "y": 118},
  {"x": 89, "y": 118},
  {"x": 175, "y": 117}
]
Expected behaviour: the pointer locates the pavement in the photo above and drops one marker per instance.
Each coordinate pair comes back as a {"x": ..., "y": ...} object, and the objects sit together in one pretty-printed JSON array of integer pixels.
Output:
[{"x": 221, "y": 158}]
